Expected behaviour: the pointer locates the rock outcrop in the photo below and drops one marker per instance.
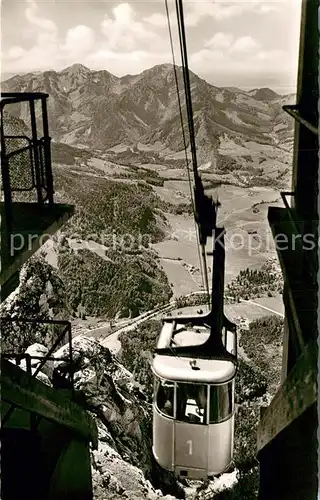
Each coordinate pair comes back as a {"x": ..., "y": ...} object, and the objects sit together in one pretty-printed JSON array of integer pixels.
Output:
[{"x": 123, "y": 465}]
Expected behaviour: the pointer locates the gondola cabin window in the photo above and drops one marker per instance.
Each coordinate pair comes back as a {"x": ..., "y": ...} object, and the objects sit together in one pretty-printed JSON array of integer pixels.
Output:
[
  {"x": 221, "y": 402},
  {"x": 164, "y": 392},
  {"x": 192, "y": 403}
]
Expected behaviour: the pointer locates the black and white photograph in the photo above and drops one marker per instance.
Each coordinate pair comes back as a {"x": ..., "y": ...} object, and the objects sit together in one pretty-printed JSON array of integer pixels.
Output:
[{"x": 159, "y": 249}]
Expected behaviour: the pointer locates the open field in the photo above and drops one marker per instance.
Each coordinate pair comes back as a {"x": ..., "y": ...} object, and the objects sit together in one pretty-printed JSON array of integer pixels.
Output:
[
  {"x": 275, "y": 303},
  {"x": 240, "y": 219},
  {"x": 243, "y": 212},
  {"x": 109, "y": 168},
  {"x": 156, "y": 167},
  {"x": 182, "y": 280},
  {"x": 174, "y": 191}
]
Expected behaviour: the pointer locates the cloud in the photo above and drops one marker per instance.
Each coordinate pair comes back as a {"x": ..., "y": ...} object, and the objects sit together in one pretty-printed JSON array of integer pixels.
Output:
[
  {"x": 268, "y": 7},
  {"x": 43, "y": 32},
  {"x": 16, "y": 52},
  {"x": 224, "y": 9},
  {"x": 123, "y": 32},
  {"x": 127, "y": 43},
  {"x": 33, "y": 18},
  {"x": 278, "y": 57},
  {"x": 158, "y": 20},
  {"x": 120, "y": 46},
  {"x": 227, "y": 43},
  {"x": 220, "y": 41},
  {"x": 123, "y": 39},
  {"x": 79, "y": 41},
  {"x": 48, "y": 49},
  {"x": 204, "y": 57},
  {"x": 235, "y": 64},
  {"x": 243, "y": 55},
  {"x": 245, "y": 44},
  {"x": 197, "y": 11},
  {"x": 133, "y": 62}
]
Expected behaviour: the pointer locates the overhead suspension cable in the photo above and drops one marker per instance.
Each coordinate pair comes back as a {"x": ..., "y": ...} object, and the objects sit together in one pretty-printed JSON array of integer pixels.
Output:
[
  {"x": 202, "y": 272},
  {"x": 184, "y": 59},
  {"x": 186, "y": 78}
]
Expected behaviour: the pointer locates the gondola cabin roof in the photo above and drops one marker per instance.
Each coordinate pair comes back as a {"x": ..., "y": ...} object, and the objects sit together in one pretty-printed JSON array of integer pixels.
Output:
[{"x": 179, "y": 369}]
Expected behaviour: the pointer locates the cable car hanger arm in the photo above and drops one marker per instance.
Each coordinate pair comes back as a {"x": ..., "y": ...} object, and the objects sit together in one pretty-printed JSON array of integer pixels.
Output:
[
  {"x": 206, "y": 218},
  {"x": 215, "y": 319}
]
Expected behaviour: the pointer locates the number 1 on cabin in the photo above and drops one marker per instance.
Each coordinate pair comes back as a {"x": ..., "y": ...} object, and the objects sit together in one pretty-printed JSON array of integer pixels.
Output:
[{"x": 190, "y": 446}]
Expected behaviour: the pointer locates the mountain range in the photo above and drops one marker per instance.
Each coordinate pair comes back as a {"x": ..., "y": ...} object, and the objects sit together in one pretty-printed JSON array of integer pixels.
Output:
[{"x": 98, "y": 110}]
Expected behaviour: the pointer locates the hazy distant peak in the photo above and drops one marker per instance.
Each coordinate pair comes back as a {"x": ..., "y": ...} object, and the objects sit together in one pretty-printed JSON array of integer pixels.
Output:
[
  {"x": 76, "y": 68},
  {"x": 160, "y": 69},
  {"x": 235, "y": 89},
  {"x": 104, "y": 73},
  {"x": 263, "y": 94}
]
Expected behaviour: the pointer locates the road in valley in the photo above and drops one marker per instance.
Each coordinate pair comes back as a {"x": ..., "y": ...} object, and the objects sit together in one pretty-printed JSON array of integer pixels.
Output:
[
  {"x": 111, "y": 339},
  {"x": 263, "y": 307}
]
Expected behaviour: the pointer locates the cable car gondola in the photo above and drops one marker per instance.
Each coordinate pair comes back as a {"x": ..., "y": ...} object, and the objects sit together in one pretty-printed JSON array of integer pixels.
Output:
[
  {"x": 195, "y": 361},
  {"x": 194, "y": 369}
]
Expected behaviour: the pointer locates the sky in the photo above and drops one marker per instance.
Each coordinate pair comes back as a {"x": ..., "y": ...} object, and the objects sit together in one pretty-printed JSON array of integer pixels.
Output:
[{"x": 247, "y": 44}]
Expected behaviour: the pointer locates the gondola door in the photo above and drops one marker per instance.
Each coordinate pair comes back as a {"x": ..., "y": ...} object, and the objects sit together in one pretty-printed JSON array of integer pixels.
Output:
[
  {"x": 191, "y": 446},
  {"x": 191, "y": 431}
]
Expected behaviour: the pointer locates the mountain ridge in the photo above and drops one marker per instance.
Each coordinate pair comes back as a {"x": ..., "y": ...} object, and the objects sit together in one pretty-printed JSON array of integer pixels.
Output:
[
  {"x": 100, "y": 110},
  {"x": 82, "y": 67}
]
